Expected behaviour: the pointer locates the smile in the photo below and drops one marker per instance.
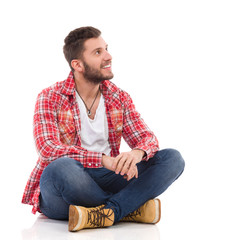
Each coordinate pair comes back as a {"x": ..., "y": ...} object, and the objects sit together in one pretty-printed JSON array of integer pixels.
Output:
[{"x": 107, "y": 66}]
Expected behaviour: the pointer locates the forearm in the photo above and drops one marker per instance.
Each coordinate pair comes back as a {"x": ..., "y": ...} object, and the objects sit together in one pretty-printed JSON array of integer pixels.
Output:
[
  {"x": 149, "y": 145},
  {"x": 50, "y": 150},
  {"x": 136, "y": 132},
  {"x": 50, "y": 147},
  {"x": 145, "y": 141}
]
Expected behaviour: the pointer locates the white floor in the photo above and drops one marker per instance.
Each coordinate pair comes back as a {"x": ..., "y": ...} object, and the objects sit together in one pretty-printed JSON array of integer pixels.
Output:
[
  {"x": 183, "y": 218},
  {"x": 44, "y": 228},
  {"x": 37, "y": 227}
]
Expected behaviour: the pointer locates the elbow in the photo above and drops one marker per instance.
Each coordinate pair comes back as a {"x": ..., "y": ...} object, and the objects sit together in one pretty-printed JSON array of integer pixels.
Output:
[{"x": 45, "y": 150}]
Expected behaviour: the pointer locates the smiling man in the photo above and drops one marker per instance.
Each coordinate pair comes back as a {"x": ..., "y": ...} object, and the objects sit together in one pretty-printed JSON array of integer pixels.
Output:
[{"x": 78, "y": 125}]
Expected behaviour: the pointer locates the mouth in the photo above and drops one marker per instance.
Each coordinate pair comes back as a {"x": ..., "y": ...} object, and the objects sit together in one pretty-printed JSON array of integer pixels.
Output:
[{"x": 107, "y": 66}]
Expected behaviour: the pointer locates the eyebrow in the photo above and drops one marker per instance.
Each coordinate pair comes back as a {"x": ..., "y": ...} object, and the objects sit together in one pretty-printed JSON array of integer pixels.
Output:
[{"x": 99, "y": 48}]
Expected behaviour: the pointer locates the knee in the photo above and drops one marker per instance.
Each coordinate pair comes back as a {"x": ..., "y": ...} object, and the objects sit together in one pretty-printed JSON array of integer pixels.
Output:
[
  {"x": 60, "y": 168},
  {"x": 174, "y": 158},
  {"x": 63, "y": 162},
  {"x": 177, "y": 158}
]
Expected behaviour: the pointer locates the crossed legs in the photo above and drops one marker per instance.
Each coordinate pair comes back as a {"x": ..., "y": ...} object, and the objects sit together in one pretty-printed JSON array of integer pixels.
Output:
[{"x": 65, "y": 182}]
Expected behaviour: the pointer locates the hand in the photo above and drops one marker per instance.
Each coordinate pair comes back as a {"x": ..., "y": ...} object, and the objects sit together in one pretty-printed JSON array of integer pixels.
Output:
[
  {"x": 125, "y": 163},
  {"x": 134, "y": 174},
  {"x": 107, "y": 162}
]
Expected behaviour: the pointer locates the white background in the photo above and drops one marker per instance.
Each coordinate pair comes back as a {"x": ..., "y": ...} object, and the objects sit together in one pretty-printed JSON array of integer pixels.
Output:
[{"x": 179, "y": 60}]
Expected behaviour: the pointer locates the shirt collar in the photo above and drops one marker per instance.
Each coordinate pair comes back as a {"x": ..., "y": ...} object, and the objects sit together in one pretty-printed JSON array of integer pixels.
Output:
[{"x": 69, "y": 85}]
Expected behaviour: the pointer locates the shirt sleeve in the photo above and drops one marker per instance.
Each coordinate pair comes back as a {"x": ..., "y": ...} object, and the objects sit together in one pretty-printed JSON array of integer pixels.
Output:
[
  {"x": 135, "y": 131},
  {"x": 47, "y": 137}
]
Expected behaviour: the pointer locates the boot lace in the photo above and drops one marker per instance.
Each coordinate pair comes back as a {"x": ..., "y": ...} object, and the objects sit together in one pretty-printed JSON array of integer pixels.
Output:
[
  {"x": 132, "y": 215},
  {"x": 97, "y": 217}
]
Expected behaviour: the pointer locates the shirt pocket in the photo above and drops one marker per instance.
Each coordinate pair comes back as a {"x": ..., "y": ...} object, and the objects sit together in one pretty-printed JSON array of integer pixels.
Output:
[
  {"x": 66, "y": 127},
  {"x": 117, "y": 121}
]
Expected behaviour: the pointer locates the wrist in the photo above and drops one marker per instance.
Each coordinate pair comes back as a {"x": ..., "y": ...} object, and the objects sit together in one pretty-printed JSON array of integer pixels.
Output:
[
  {"x": 140, "y": 152},
  {"x": 103, "y": 157}
]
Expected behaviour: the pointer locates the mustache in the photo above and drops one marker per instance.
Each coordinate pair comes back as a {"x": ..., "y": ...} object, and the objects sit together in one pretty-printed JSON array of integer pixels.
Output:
[{"x": 106, "y": 63}]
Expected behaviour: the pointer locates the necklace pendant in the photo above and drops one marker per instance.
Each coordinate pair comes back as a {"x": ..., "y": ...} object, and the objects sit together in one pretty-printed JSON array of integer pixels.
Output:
[{"x": 89, "y": 113}]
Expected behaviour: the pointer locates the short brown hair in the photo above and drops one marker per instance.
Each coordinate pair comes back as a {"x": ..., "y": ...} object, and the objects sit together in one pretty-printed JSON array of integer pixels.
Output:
[{"x": 74, "y": 42}]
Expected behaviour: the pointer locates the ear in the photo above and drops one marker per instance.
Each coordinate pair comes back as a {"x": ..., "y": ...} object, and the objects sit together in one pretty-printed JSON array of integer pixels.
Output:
[{"x": 77, "y": 65}]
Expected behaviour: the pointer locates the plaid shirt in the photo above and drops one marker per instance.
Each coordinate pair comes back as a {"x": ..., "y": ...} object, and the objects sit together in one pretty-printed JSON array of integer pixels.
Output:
[{"x": 57, "y": 129}]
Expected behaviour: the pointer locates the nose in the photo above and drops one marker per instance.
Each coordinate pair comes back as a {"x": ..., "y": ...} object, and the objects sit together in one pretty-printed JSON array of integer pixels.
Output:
[{"x": 107, "y": 56}]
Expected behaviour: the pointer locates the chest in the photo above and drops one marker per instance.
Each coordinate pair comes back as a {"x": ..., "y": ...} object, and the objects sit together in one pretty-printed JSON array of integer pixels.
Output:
[
  {"x": 92, "y": 119},
  {"x": 70, "y": 115},
  {"x": 90, "y": 109}
]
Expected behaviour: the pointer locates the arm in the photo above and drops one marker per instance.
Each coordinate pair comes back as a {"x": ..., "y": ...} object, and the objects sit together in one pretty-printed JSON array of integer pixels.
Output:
[
  {"x": 47, "y": 136},
  {"x": 136, "y": 133}
]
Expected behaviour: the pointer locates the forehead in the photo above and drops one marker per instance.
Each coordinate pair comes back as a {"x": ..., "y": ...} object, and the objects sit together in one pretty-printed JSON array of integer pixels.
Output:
[{"x": 94, "y": 43}]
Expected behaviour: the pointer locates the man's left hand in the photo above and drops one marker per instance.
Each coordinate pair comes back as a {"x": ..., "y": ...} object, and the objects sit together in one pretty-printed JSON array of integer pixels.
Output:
[{"x": 125, "y": 163}]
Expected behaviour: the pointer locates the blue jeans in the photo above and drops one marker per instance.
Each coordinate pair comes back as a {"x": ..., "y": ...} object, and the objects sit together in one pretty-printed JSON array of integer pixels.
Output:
[{"x": 66, "y": 182}]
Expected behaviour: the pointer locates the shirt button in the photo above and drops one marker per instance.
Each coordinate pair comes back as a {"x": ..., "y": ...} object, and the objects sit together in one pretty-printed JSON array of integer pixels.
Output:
[
  {"x": 96, "y": 164},
  {"x": 89, "y": 164}
]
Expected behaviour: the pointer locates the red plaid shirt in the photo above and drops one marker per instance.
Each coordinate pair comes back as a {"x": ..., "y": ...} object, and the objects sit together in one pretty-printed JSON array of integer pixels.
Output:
[{"x": 57, "y": 129}]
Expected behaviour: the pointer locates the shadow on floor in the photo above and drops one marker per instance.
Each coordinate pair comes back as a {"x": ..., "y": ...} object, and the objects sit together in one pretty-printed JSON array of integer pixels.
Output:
[{"x": 49, "y": 229}]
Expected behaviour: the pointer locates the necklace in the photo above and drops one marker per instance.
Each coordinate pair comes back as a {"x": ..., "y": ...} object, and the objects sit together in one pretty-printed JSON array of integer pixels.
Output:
[{"x": 89, "y": 109}]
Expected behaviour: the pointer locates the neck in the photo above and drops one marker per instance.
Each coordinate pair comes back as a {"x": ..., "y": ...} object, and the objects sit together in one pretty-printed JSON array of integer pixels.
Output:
[{"x": 85, "y": 89}]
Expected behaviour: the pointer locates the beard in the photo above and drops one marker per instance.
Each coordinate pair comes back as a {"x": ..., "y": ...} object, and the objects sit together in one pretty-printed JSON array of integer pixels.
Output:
[{"x": 94, "y": 75}]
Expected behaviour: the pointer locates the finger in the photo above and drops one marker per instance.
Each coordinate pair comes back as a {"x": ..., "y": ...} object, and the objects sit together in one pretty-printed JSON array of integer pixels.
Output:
[
  {"x": 131, "y": 168},
  {"x": 136, "y": 173},
  {"x": 132, "y": 174},
  {"x": 115, "y": 162},
  {"x": 120, "y": 165},
  {"x": 129, "y": 177},
  {"x": 126, "y": 166}
]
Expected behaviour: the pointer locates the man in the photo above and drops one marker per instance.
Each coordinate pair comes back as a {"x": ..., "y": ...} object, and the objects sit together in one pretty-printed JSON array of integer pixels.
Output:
[{"x": 78, "y": 124}]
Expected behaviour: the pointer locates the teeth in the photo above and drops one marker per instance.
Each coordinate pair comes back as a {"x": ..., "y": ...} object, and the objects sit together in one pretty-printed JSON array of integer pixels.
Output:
[{"x": 107, "y": 66}]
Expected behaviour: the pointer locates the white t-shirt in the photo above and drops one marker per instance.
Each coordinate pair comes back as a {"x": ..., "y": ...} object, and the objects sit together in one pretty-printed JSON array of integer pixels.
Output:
[{"x": 94, "y": 133}]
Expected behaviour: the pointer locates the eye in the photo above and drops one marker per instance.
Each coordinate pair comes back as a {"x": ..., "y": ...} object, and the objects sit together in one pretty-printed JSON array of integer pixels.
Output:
[{"x": 98, "y": 52}]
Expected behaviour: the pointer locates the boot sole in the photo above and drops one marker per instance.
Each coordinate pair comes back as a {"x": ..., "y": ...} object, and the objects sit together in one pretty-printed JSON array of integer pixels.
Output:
[
  {"x": 157, "y": 211},
  {"x": 75, "y": 218}
]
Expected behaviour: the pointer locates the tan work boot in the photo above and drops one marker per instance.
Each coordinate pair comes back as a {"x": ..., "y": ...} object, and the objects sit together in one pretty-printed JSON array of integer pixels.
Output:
[
  {"x": 149, "y": 212},
  {"x": 81, "y": 217}
]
